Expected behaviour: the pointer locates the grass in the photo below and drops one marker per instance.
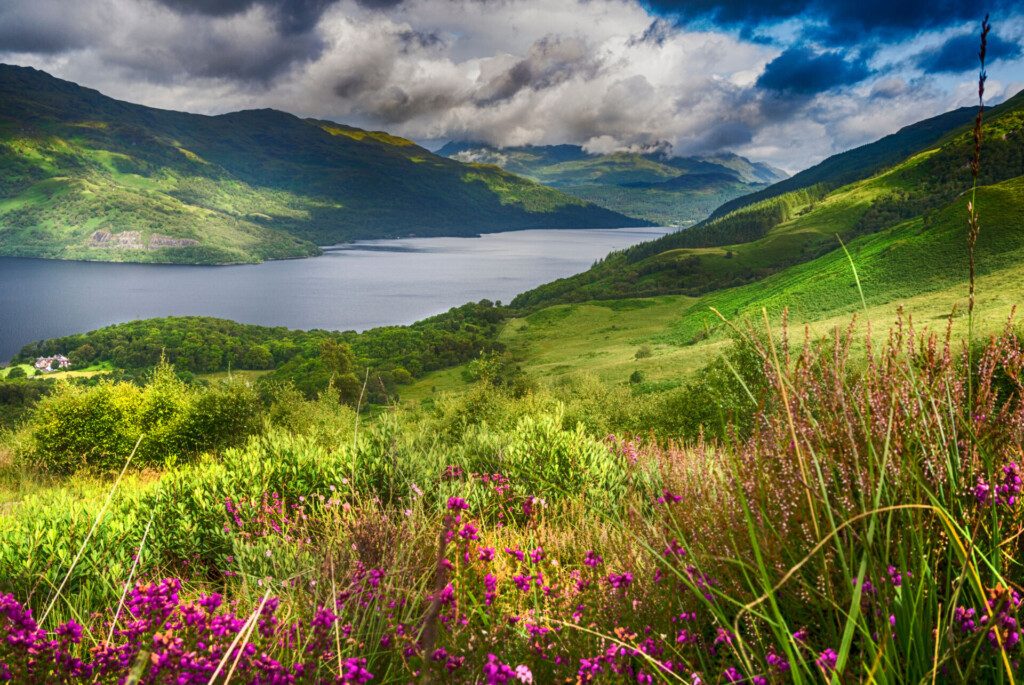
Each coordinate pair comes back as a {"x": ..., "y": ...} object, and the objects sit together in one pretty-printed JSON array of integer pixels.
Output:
[
  {"x": 245, "y": 375},
  {"x": 601, "y": 337},
  {"x": 830, "y": 555},
  {"x": 87, "y": 372}
]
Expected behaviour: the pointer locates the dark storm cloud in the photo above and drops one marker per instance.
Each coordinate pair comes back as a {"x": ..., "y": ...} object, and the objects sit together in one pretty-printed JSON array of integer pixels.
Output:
[
  {"x": 398, "y": 105},
  {"x": 292, "y": 16},
  {"x": 26, "y": 29},
  {"x": 551, "y": 61},
  {"x": 960, "y": 53},
  {"x": 842, "y": 21},
  {"x": 802, "y": 71},
  {"x": 166, "y": 41},
  {"x": 15, "y": 36},
  {"x": 419, "y": 40}
]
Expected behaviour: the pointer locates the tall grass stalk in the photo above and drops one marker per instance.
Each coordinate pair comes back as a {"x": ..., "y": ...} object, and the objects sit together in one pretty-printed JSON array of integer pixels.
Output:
[
  {"x": 96, "y": 522},
  {"x": 128, "y": 582},
  {"x": 973, "y": 223}
]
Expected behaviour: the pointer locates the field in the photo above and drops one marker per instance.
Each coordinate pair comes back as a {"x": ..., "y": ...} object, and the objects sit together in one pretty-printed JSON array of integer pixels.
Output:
[{"x": 492, "y": 535}]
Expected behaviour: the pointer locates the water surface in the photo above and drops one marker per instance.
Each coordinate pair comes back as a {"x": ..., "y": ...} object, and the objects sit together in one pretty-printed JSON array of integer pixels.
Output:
[{"x": 351, "y": 287}]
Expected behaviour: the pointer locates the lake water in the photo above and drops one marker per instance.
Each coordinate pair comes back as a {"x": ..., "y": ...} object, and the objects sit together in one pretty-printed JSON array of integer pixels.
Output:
[{"x": 352, "y": 287}]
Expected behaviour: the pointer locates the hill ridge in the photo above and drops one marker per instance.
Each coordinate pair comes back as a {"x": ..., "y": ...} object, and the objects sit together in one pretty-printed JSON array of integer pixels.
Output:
[{"x": 86, "y": 176}]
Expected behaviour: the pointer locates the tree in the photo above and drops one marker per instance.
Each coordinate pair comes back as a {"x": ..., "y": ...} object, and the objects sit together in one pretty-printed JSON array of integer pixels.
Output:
[
  {"x": 16, "y": 372},
  {"x": 339, "y": 360}
]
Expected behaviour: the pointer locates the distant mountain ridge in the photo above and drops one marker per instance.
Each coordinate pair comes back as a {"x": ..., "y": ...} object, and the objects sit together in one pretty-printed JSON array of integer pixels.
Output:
[
  {"x": 886, "y": 193},
  {"x": 653, "y": 185},
  {"x": 85, "y": 176}
]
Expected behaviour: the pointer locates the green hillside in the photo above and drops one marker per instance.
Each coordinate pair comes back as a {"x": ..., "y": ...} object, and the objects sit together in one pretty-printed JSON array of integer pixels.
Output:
[
  {"x": 765, "y": 237},
  {"x": 83, "y": 176},
  {"x": 654, "y": 186},
  {"x": 862, "y": 161},
  {"x": 918, "y": 265}
]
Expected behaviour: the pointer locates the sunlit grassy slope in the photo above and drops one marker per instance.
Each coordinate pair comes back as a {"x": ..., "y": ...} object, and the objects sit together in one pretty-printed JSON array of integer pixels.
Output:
[
  {"x": 83, "y": 176},
  {"x": 919, "y": 265},
  {"x": 767, "y": 236}
]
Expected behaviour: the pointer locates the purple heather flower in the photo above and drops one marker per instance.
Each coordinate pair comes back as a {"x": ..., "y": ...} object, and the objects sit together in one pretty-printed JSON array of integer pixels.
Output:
[
  {"x": 777, "y": 662},
  {"x": 518, "y": 554},
  {"x": 497, "y": 673},
  {"x": 668, "y": 498},
  {"x": 620, "y": 581},
  {"x": 457, "y": 504},
  {"x": 354, "y": 672},
  {"x": 827, "y": 660}
]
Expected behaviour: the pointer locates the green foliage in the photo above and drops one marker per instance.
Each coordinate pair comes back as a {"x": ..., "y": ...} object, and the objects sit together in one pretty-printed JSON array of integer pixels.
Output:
[
  {"x": 721, "y": 400},
  {"x": 77, "y": 426},
  {"x": 17, "y": 397},
  {"x": 87, "y": 177},
  {"x": 16, "y": 372},
  {"x": 309, "y": 360},
  {"x": 498, "y": 370}
]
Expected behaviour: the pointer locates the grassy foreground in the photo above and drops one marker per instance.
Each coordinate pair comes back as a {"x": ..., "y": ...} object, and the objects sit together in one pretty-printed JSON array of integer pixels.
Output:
[{"x": 863, "y": 525}]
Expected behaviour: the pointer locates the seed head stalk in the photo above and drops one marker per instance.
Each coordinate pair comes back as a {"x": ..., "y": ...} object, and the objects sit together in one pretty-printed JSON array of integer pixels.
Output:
[{"x": 973, "y": 225}]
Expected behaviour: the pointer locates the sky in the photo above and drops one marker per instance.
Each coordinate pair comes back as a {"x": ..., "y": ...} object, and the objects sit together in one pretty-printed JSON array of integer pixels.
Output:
[{"x": 788, "y": 82}]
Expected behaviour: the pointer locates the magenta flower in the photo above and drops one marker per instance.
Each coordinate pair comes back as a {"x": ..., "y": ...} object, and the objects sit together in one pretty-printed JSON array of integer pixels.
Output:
[
  {"x": 354, "y": 672},
  {"x": 457, "y": 504},
  {"x": 497, "y": 673},
  {"x": 827, "y": 660},
  {"x": 620, "y": 581},
  {"x": 668, "y": 498},
  {"x": 518, "y": 554}
]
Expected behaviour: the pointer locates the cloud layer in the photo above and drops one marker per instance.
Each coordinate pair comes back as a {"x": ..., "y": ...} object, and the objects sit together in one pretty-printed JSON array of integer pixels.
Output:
[{"x": 788, "y": 82}]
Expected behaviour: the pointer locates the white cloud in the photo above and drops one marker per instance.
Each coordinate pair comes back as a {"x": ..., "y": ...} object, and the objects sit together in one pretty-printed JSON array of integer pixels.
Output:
[{"x": 604, "y": 73}]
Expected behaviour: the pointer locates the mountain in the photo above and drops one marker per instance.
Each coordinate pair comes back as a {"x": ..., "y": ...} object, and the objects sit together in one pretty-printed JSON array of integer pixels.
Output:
[
  {"x": 84, "y": 176},
  {"x": 862, "y": 161},
  {"x": 653, "y": 185},
  {"x": 861, "y": 192}
]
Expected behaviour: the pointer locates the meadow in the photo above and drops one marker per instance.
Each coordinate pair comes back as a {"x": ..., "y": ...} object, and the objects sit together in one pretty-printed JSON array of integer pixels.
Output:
[{"x": 850, "y": 520}]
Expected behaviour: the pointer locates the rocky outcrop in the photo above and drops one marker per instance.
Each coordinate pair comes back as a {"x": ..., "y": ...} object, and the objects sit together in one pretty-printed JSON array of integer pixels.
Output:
[{"x": 132, "y": 240}]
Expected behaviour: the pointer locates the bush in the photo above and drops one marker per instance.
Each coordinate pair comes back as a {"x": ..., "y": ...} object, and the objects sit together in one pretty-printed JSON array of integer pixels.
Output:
[
  {"x": 98, "y": 426},
  {"x": 16, "y": 372}
]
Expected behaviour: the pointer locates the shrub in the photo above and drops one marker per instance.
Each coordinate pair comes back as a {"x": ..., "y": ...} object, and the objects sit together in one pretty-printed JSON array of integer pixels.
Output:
[
  {"x": 98, "y": 426},
  {"x": 77, "y": 426}
]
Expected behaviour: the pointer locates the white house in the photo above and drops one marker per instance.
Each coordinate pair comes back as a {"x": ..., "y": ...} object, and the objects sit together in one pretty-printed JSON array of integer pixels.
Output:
[{"x": 47, "y": 364}]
